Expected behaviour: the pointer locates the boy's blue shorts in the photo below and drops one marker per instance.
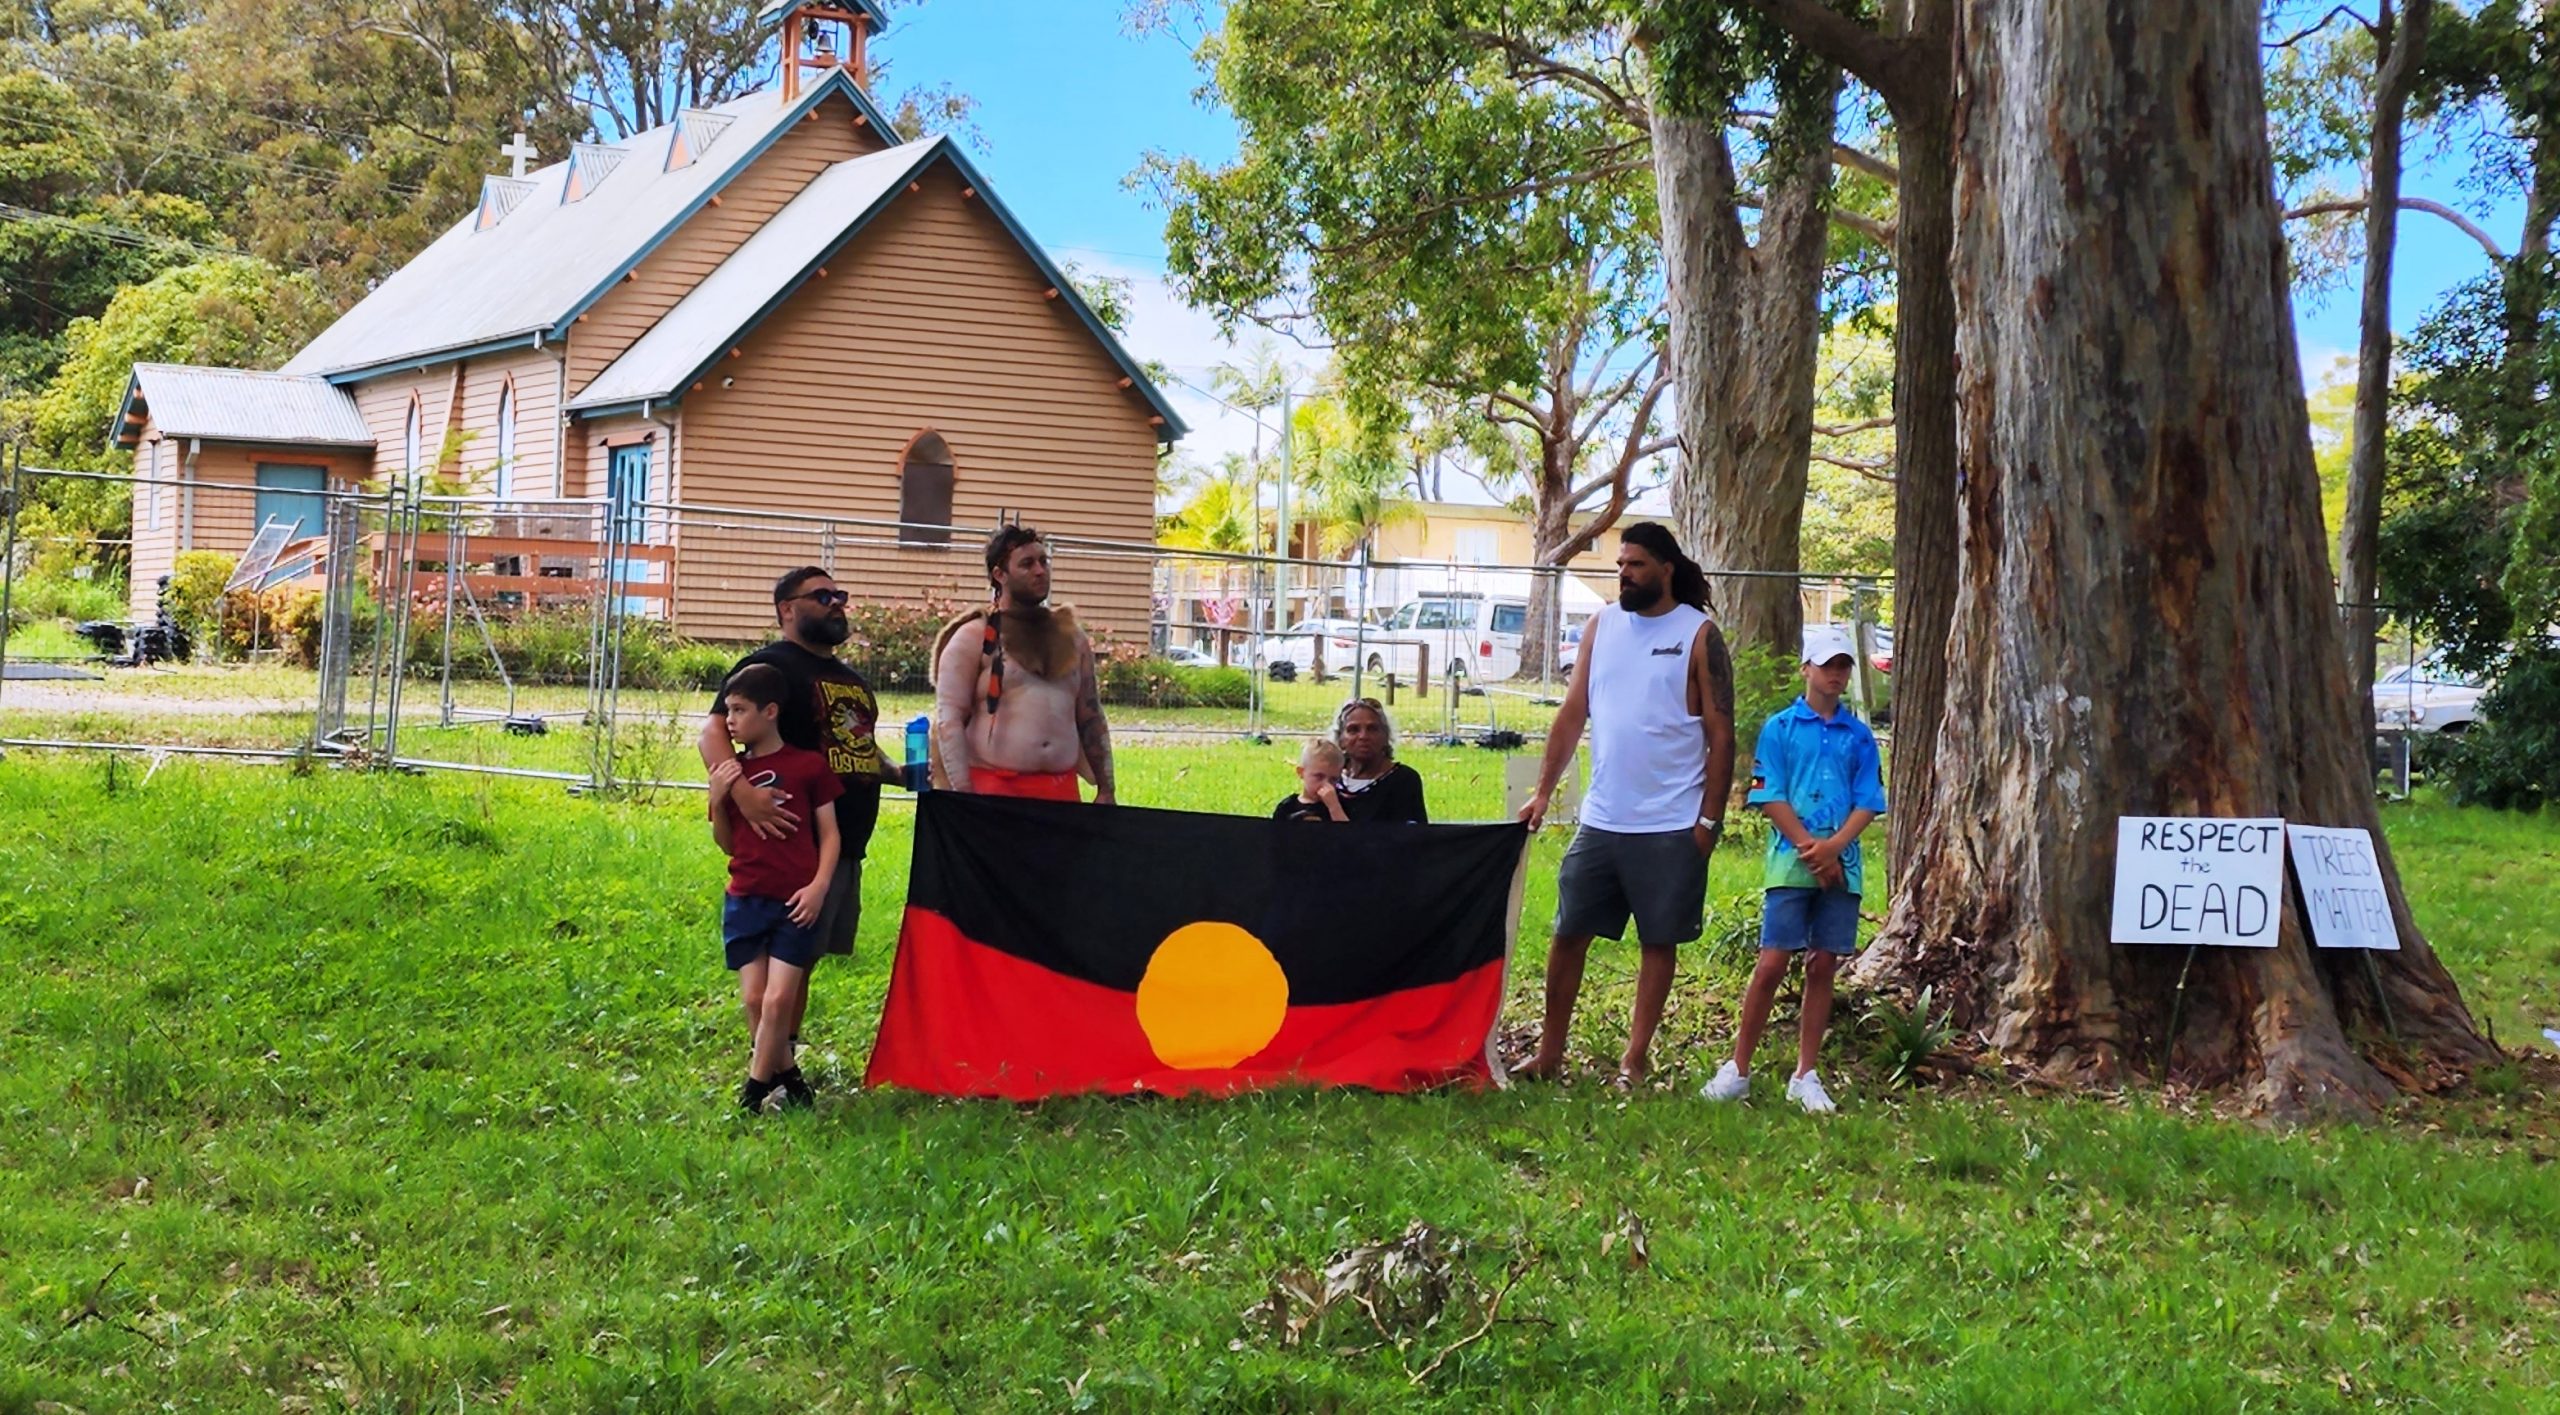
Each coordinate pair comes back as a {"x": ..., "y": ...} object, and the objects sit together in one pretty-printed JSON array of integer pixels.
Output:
[
  {"x": 755, "y": 927},
  {"x": 1793, "y": 920}
]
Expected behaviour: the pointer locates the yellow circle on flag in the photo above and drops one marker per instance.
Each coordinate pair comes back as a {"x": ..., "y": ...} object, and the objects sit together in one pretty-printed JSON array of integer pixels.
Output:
[{"x": 1212, "y": 996}]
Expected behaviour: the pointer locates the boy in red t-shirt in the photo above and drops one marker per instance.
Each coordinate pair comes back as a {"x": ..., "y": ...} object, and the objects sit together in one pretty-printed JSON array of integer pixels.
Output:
[{"x": 777, "y": 885}]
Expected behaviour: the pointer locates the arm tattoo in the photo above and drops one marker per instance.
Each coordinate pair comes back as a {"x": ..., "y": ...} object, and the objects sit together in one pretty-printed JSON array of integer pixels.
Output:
[
  {"x": 1091, "y": 730},
  {"x": 1719, "y": 673}
]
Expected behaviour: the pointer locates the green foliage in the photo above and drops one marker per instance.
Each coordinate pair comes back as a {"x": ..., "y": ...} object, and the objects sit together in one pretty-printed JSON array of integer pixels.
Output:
[
  {"x": 1908, "y": 1039},
  {"x": 231, "y": 311},
  {"x": 1131, "y": 677},
  {"x": 2467, "y": 455},
  {"x": 1765, "y": 681},
  {"x": 892, "y": 641},
  {"x": 194, "y": 596},
  {"x": 1391, "y": 159},
  {"x": 60, "y": 596},
  {"x": 2510, "y": 759}
]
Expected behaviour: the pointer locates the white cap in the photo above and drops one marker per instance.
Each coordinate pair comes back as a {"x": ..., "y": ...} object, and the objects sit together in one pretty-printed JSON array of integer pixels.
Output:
[{"x": 1825, "y": 642}]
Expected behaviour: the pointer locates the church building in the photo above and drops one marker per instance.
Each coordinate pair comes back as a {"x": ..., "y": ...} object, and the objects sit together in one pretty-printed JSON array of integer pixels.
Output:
[{"x": 776, "y": 304}]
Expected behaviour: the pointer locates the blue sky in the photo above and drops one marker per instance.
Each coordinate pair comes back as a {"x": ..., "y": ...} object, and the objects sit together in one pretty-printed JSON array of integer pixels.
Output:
[{"x": 1069, "y": 102}]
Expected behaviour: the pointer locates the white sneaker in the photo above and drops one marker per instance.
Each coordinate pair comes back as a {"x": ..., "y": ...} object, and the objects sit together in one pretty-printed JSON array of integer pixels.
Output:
[
  {"x": 1729, "y": 1085},
  {"x": 1806, "y": 1091}
]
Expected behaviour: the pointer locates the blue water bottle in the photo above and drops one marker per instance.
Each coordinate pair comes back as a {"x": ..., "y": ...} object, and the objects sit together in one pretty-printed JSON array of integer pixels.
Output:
[{"x": 919, "y": 775}]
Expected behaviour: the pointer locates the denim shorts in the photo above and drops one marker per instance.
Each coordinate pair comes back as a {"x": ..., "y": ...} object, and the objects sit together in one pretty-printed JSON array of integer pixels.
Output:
[
  {"x": 1793, "y": 920},
  {"x": 755, "y": 927}
]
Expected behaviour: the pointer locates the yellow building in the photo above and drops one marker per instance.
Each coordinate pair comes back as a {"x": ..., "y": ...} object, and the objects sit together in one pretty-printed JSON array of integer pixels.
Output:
[{"x": 1444, "y": 532}]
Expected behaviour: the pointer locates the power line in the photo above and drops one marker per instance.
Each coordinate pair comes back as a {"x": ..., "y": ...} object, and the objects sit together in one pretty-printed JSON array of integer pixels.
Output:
[
  {"x": 90, "y": 81},
  {"x": 144, "y": 240},
  {"x": 246, "y": 161}
]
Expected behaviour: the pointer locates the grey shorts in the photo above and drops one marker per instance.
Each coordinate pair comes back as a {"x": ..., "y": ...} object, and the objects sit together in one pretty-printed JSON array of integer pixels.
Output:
[
  {"x": 842, "y": 916},
  {"x": 1659, "y": 880}
]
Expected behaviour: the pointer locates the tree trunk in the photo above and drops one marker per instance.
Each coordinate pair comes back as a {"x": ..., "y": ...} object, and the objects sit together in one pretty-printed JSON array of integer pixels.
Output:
[
  {"x": 1924, "y": 407},
  {"x": 2142, "y": 621},
  {"x": 1745, "y": 323},
  {"x": 2360, "y": 535}
]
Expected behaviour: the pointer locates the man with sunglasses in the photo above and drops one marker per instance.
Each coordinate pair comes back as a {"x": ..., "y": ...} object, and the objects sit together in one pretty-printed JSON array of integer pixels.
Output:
[{"x": 829, "y": 710}]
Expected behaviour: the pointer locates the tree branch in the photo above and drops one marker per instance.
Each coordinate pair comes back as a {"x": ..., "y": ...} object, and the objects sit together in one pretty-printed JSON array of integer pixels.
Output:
[
  {"x": 1518, "y": 189},
  {"x": 1529, "y": 61},
  {"x": 1872, "y": 468},
  {"x": 1844, "y": 429},
  {"x": 1875, "y": 59},
  {"x": 2316, "y": 26},
  {"x": 2467, "y": 226}
]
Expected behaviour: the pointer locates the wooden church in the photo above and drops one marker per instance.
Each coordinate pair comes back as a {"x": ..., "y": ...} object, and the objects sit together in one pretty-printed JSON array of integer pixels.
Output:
[{"x": 778, "y": 304}]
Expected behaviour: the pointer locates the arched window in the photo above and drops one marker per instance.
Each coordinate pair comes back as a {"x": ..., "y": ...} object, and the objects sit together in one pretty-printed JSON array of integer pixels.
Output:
[
  {"x": 503, "y": 477},
  {"x": 924, "y": 491},
  {"x": 412, "y": 435}
]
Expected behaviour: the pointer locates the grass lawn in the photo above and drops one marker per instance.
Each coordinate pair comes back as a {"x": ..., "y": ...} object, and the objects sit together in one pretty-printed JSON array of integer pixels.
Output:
[{"x": 405, "y": 1093}]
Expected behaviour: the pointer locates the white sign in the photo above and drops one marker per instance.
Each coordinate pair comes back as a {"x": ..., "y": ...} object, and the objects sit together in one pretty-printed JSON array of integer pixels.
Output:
[
  {"x": 2183, "y": 879},
  {"x": 2342, "y": 893}
]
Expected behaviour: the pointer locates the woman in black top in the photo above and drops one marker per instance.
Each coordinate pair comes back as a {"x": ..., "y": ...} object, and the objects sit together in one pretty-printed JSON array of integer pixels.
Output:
[{"x": 1375, "y": 786}]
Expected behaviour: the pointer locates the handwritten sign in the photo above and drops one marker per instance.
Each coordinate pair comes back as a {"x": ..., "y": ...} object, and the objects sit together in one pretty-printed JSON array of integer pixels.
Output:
[
  {"x": 2182, "y": 879},
  {"x": 2342, "y": 893}
]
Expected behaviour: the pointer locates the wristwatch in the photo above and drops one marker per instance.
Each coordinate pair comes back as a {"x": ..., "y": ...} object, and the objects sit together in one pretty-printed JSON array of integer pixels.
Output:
[{"x": 1714, "y": 825}]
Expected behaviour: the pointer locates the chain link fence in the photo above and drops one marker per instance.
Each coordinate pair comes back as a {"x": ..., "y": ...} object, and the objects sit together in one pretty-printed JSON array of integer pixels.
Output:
[{"x": 581, "y": 640}]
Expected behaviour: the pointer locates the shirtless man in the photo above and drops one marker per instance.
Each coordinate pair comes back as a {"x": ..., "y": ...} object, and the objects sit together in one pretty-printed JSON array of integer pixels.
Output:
[{"x": 1017, "y": 704}]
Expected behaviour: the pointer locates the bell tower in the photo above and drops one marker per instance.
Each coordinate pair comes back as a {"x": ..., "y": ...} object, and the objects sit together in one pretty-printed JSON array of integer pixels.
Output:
[{"x": 819, "y": 36}]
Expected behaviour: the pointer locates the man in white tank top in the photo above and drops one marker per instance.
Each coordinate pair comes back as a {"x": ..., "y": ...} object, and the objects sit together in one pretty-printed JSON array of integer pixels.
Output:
[{"x": 1655, "y": 686}]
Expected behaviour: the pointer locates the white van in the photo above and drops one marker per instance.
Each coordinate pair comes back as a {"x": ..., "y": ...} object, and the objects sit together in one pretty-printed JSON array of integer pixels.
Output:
[{"x": 1482, "y": 636}]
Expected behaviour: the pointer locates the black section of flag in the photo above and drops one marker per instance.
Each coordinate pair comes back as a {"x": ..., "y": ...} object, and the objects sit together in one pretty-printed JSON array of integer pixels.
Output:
[{"x": 1350, "y": 911}]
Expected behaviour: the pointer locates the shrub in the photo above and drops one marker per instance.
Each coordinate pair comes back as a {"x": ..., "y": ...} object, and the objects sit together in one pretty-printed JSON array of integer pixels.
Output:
[
  {"x": 1131, "y": 677},
  {"x": 2510, "y": 760},
  {"x": 1764, "y": 682},
  {"x": 41, "y": 597},
  {"x": 892, "y": 642},
  {"x": 194, "y": 596}
]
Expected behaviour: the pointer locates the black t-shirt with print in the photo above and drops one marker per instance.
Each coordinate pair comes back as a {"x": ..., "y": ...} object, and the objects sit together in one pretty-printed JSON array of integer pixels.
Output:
[
  {"x": 1293, "y": 809},
  {"x": 831, "y": 711}
]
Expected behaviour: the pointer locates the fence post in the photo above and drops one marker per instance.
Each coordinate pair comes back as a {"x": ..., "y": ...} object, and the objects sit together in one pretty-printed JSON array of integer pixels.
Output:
[
  {"x": 1360, "y": 637},
  {"x": 340, "y": 519},
  {"x": 452, "y": 554},
  {"x": 404, "y": 534},
  {"x": 12, "y": 488}
]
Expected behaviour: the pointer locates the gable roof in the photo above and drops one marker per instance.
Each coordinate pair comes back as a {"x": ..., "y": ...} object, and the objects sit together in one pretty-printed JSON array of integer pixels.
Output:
[
  {"x": 770, "y": 265},
  {"x": 546, "y": 260},
  {"x": 234, "y": 405}
]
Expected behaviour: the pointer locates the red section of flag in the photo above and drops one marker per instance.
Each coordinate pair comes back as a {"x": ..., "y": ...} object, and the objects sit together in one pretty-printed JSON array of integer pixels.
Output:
[{"x": 964, "y": 1019}]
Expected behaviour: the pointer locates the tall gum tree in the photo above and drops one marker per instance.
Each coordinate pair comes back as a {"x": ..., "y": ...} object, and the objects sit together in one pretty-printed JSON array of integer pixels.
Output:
[{"x": 2142, "y": 622}]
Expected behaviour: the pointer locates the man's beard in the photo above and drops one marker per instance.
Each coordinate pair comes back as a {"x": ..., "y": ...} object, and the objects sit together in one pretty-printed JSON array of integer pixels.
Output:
[
  {"x": 1021, "y": 600},
  {"x": 1635, "y": 599},
  {"x": 828, "y": 629}
]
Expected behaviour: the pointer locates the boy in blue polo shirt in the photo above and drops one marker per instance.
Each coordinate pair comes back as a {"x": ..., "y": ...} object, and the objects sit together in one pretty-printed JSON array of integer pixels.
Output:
[{"x": 1818, "y": 779}]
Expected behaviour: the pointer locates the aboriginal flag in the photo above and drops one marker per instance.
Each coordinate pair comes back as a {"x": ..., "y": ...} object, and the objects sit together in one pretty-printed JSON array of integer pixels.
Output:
[{"x": 1051, "y": 948}]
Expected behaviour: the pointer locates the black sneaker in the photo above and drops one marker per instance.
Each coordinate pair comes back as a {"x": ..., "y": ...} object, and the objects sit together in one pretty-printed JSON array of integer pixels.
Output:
[
  {"x": 751, "y": 1096},
  {"x": 797, "y": 1094}
]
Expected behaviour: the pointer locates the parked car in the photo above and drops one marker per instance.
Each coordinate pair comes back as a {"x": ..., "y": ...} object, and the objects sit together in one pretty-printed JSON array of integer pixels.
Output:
[
  {"x": 1481, "y": 637},
  {"x": 2428, "y": 696},
  {"x": 1185, "y": 656},
  {"x": 1289, "y": 652}
]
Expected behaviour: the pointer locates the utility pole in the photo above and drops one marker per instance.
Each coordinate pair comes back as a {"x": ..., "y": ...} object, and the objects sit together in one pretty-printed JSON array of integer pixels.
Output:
[{"x": 1280, "y": 593}]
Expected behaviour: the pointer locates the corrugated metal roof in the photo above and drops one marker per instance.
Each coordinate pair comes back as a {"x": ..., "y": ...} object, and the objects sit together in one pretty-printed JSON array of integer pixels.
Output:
[
  {"x": 547, "y": 258},
  {"x": 233, "y": 405},
  {"x": 754, "y": 276},
  {"x": 826, "y": 215}
]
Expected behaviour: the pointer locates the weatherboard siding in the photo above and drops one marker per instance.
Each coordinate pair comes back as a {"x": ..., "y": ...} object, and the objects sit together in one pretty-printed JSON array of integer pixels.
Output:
[
  {"x": 932, "y": 318},
  {"x": 669, "y": 273},
  {"x": 216, "y": 508},
  {"x": 537, "y": 382}
]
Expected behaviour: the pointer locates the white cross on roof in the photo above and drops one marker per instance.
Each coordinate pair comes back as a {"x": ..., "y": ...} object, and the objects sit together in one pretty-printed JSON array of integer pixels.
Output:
[{"x": 519, "y": 152}]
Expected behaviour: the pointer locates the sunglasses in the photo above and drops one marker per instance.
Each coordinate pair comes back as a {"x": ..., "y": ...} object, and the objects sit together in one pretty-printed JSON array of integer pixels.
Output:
[{"x": 832, "y": 599}]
